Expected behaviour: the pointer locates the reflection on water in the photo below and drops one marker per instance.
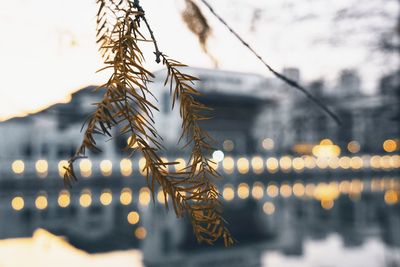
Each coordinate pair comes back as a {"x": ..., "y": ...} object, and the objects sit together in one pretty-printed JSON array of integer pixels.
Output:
[
  {"x": 47, "y": 250},
  {"x": 293, "y": 224},
  {"x": 332, "y": 251},
  {"x": 305, "y": 222}
]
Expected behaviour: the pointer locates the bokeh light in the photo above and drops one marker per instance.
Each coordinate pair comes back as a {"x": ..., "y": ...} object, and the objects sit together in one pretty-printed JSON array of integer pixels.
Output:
[
  {"x": 18, "y": 166},
  {"x": 126, "y": 196},
  {"x": 85, "y": 199},
  {"x": 125, "y": 166},
  {"x": 390, "y": 145},
  {"x": 144, "y": 196},
  {"x": 258, "y": 190},
  {"x": 64, "y": 199},
  {"x": 17, "y": 203},
  {"x": 268, "y": 144},
  {"x": 141, "y": 233},
  {"x": 41, "y": 202},
  {"x": 243, "y": 165},
  {"x": 62, "y": 164},
  {"x": 106, "y": 197},
  {"x": 257, "y": 164},
  {"x": 133, "y": 217},
  {"x": 85, "y": 165},
  {"x": 106, "y": 167},
  {"x": 41, "y": 167},
  {"x": 269, "y": 208},
  {"x": 243, "y": 191},
  {"x": 228, "y": 193}
]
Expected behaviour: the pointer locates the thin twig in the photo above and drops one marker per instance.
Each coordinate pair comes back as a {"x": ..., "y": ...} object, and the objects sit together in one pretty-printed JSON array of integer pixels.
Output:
[
  {"x": 157, "y": 52},
  {"x": 280, "y": 76}
]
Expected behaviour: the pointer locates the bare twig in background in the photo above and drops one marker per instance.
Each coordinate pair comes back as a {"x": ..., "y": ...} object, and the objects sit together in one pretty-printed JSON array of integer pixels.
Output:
[{"x": 280, "y": 76}]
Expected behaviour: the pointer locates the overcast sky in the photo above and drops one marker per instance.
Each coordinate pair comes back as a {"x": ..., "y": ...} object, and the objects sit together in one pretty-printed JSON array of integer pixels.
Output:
[{"x": 47, "y": 47}]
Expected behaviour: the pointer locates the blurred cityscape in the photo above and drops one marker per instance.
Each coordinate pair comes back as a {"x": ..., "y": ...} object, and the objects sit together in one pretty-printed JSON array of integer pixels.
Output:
[{"x": 290, "y": 173}]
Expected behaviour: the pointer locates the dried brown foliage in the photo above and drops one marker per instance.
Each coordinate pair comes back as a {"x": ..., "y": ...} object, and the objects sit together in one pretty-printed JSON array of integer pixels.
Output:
[
  {"x": 198, "y": 24},
  {"x": 126, "y": 107}
]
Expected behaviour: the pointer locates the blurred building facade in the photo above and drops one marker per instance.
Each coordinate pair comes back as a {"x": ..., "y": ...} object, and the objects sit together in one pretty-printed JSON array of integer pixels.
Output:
[{"x": 252, "y": 114}]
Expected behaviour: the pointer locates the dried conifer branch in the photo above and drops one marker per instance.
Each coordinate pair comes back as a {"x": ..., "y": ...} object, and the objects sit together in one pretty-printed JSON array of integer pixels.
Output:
[
  {"x": 207, "y": 223},
  {"x": 201, "y": 170},
  {"x": 280, "y": 76},
  {"x": 125, "y": 106}
]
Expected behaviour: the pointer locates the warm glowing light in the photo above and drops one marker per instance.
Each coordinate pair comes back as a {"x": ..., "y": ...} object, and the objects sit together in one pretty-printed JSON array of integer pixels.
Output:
[
  {"x": 272, "y": 190},
  {"x": 18, "y": 166},
  {"x": 228, "y": 193},
  {"x": 325, "y": 192},
  {"x": 326, "y": 142},
  {"x": 258, "y": 190},
  {"x": 133, "y": 217},
  {"x": 61, "y": 167},
  {"x": 390, "y": 146},
  {"x": 161, "y": 197},
  {"x": 142, "y": 166},
  {"x": 257, "y": 164},
  {"x": 85, "y": 199},
  {"x": 353, "y": 147},
  {"x": 243, "y": 191},
  {"x": 356, "y": 187},
  {"x": 272, "y": 165},
  {"x": 17, "y": 203},
  {"x": 344, "y": 163},
  {"x": 327, "y": 204},
  {"x": 322, "y": 163},
  {"x": 285, "y": 163},
  {"x": 344, "y": 187},
  {"x": 309, "y": 162},
  {"x": 42, "y": 167},
  {"x": 286, "y": 190},
  {"x": 218, "y": 156},
  {"x": 64, "y": 199},
  {"x": 125, "y": 166},
  {"x": 268, "y": 144},
  {"x": 126, "y": 196},
  {"x": 228, "y": 145},
  {"x": 86, "y": 167},
  {"x": 356, "y": 163},
  {"x": 333, "y": 163},
  {"x": 310, "y": 189},
  {"x": 41, "y": 202},
  {"x": 106, "y": 197},
  {"x": 269, "y": 208},
  {"x": 243, "y": 165},
  {"x": 395, "y": 161},
  {"x": 386, "y": 162},
  {"x": 375, "y": 162},
  {"x": 106, "y": 167},
  {"x": 181, "y": 165},
  {"x": 132, "y": 143},
  {"x": 299, "y": 189},
  {"x": 326, "y": 149},
  {"x": 140, "y": 233},
  {"x": 144, "y": 196},
  {"x": 391, "y": 197},
  {"x": 298, "y": 164}
]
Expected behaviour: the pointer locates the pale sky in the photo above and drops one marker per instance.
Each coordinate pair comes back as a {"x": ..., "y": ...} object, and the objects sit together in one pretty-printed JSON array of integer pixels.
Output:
[{"x": 48, "y": 49}]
